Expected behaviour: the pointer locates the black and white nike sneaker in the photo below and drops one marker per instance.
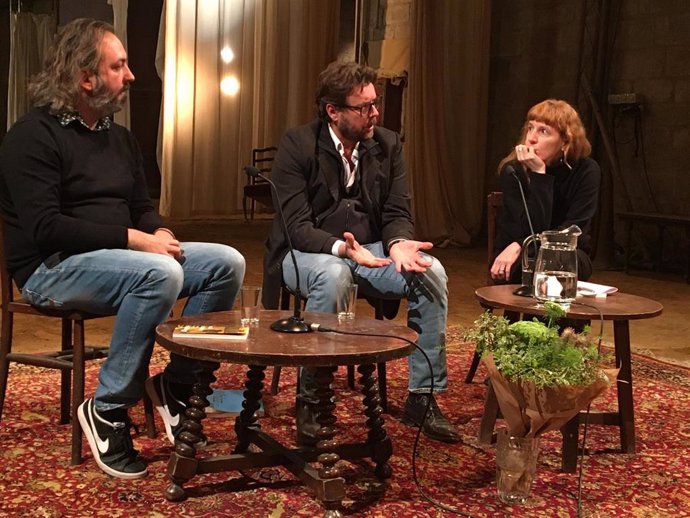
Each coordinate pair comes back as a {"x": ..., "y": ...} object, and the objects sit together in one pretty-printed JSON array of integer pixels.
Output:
[
  {"x": 111, "y": 442},
  {"x": 170, "y": 407}
]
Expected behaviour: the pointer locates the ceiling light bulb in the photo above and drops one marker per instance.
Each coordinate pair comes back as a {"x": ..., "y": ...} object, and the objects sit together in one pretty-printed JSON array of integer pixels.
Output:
[
  {"x": 230, "y": 85},
  {"x": 227, "y": 55}
]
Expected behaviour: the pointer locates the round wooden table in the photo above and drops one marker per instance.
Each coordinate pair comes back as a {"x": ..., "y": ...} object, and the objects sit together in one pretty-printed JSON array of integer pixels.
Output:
[
  {"x": 617, "y": 307},
  {"x": 324, "y": 351}
]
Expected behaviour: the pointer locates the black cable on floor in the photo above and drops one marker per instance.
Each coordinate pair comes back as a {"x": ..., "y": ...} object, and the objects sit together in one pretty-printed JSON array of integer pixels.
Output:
[
  {"x": 428, "y": 498},
  {"x": 580, "y": 475}
]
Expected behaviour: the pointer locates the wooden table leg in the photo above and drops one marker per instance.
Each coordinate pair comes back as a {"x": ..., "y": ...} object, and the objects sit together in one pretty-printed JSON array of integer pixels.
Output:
[
  {"x": 571, "y": 435},
  {"x": 327, "y": 445},
  {"x": 469, "y": 377},
  {"x": 687, "y": 266},
  {"x": 182, "y": 465},
  {"x": 489, "y": 416},
  {"x": 247, "y": 420},
  {"x": 377, "y": 438},
  {"x": 621, "y": 335}
]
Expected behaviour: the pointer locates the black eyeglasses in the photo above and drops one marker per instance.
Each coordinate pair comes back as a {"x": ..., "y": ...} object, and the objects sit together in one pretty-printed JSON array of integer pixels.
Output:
[{"x": 364, "y": 109}]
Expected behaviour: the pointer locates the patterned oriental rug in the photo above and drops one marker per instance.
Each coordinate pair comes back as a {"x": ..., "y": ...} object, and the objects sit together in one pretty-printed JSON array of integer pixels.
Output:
[{"x": 36, "y": 479}]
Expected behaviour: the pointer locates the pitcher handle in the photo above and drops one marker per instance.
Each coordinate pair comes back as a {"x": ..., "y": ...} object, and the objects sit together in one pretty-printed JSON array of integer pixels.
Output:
[{"x": 525, "y": 249}]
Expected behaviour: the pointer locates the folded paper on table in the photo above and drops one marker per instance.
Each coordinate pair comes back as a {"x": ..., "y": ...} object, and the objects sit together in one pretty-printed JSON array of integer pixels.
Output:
[
  {"x": 530, "y": 411},
  {"x": 590, "y": 289},
  {"x": 228, "y": 402},
  {"x": 211, "y": 332}
]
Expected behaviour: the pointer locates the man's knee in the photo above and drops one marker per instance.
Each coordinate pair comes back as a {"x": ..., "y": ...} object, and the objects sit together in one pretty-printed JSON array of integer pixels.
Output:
[
  {"x": 436, "y": 272},
  {"x": 432, "y": 283},
  {"x": 230, "y": 260},
  {"x": 334, "y": 277},
  {"x": 164, "y": 275},
  {"x": 221, "y": 260},
  {"x": 439, "y": 271}
]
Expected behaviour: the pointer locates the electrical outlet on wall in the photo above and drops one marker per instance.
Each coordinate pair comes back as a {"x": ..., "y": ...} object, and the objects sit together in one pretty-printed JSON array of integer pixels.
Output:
[{"x": 627, "y": 98}]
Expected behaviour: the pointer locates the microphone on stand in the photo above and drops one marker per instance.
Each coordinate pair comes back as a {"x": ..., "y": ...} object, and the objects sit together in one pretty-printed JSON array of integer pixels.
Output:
[
  {"x": 295, "y": 323},
  {"x": 526, "y": 290}
]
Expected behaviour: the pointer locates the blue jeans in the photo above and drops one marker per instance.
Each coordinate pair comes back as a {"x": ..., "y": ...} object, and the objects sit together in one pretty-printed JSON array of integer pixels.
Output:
[
  {"x": 141, "y": 289},
  {"x": 324, "y": 277}
]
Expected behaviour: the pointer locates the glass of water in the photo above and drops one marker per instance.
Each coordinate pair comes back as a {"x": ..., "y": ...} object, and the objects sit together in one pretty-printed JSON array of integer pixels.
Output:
[
  {"x": 346, "y": 303},
  {"x": 250, "y": 303}
]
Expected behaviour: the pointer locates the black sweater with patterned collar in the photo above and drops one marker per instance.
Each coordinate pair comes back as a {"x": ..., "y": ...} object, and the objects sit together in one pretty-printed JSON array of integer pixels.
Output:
[{"x": 69, "y": 190}]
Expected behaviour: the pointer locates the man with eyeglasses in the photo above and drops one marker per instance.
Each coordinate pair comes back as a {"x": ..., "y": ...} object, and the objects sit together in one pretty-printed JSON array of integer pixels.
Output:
[{"x": 341, "y": 183}]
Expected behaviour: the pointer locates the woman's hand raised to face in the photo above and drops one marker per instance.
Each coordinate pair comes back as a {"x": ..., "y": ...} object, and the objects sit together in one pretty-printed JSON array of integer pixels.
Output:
[{"x": 527, "y": 157}]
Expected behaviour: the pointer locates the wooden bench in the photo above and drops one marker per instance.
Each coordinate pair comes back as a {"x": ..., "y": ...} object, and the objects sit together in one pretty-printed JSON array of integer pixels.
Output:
[{"x": 661, "y": 221}]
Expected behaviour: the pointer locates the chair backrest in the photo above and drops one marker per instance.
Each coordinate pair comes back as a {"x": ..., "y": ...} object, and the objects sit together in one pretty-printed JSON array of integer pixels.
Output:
[
  {"x": 5, "y": 279},
  {"x": 494, "y": 202},
  {"x": 262, "y": 159}
]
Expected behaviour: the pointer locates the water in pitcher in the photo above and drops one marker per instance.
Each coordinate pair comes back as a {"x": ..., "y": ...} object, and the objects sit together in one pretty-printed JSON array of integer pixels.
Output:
[{"x": 555, "y": 286}]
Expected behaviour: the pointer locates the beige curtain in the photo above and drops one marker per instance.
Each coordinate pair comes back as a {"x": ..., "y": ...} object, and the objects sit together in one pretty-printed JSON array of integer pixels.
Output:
[
  {"x": 279, "y": 46},
  {"x": 446, "y": 121},
  {"x": 31, "y": 36},
  {"x": 294, "y": 41}
]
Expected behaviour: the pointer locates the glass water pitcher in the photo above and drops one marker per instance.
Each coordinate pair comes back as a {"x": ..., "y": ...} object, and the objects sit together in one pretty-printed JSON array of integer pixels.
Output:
[{"x": 555, "y": 269}]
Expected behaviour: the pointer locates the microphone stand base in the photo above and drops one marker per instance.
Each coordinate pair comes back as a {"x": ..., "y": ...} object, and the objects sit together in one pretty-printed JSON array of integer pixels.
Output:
[
  {"x": 525, "y": 291},
  {"x": 291, "y": 325}
]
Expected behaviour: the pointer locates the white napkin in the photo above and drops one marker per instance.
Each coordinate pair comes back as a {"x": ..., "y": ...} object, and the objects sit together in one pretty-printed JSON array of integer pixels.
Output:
[{"x": 590, "y": 289}]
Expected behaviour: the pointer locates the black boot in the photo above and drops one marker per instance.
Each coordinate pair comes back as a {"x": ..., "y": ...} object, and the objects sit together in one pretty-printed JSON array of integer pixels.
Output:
[
  {"x": 436, "y": 426},
  {"x": 306, "y": 424}
]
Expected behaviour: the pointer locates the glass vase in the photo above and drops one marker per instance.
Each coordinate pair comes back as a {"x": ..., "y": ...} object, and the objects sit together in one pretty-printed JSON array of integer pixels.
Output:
[{"x": 516, "y": 466}]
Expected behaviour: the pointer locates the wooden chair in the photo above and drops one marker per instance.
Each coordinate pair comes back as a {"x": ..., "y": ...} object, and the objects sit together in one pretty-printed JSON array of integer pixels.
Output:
[
  {"x": 494, "y": 202},
  {"x": 383, "y": 308},
  {"x": 70, "y": 359},
  {"x": 258, "y": 189}
]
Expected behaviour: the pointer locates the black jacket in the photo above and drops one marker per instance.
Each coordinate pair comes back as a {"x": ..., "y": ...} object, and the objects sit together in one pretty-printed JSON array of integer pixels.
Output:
[{"x": 308, "y": 174}]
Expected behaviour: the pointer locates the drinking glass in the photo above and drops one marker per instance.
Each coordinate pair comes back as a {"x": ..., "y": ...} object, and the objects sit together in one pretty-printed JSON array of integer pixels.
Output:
[
  {"x": 250, "y": 303},
  {"x": 516, "y": 466},
  {"x": 346, "y": 304}
]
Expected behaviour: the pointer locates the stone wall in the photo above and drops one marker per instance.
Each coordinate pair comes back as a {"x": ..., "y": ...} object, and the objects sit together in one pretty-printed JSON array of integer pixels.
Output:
[
  {"x": 534, "y": 56},
  {"x": 652, "y": 59},
  {"x": 536, "y": 46}
]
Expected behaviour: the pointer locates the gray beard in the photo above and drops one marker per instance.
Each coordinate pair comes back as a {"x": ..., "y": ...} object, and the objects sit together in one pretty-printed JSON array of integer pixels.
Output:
[{"x": 104, "y": 103}]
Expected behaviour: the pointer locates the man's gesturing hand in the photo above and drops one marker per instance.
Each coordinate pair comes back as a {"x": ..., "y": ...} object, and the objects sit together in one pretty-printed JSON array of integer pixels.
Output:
[
  {"x": 356, "y": 252},
  {"x": 406, "y": 256}
]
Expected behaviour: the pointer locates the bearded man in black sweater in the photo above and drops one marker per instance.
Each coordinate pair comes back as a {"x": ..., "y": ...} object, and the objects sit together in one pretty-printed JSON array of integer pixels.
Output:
[{"x": 82, "y": 233}]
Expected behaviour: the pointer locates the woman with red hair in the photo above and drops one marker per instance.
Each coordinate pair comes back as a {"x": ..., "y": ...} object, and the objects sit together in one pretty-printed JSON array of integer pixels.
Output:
[{"x": 551, "y": 166}]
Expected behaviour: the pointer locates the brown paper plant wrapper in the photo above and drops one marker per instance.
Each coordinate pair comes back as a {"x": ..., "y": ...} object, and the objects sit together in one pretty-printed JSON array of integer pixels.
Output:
[{"x": 530, "y": 411}]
